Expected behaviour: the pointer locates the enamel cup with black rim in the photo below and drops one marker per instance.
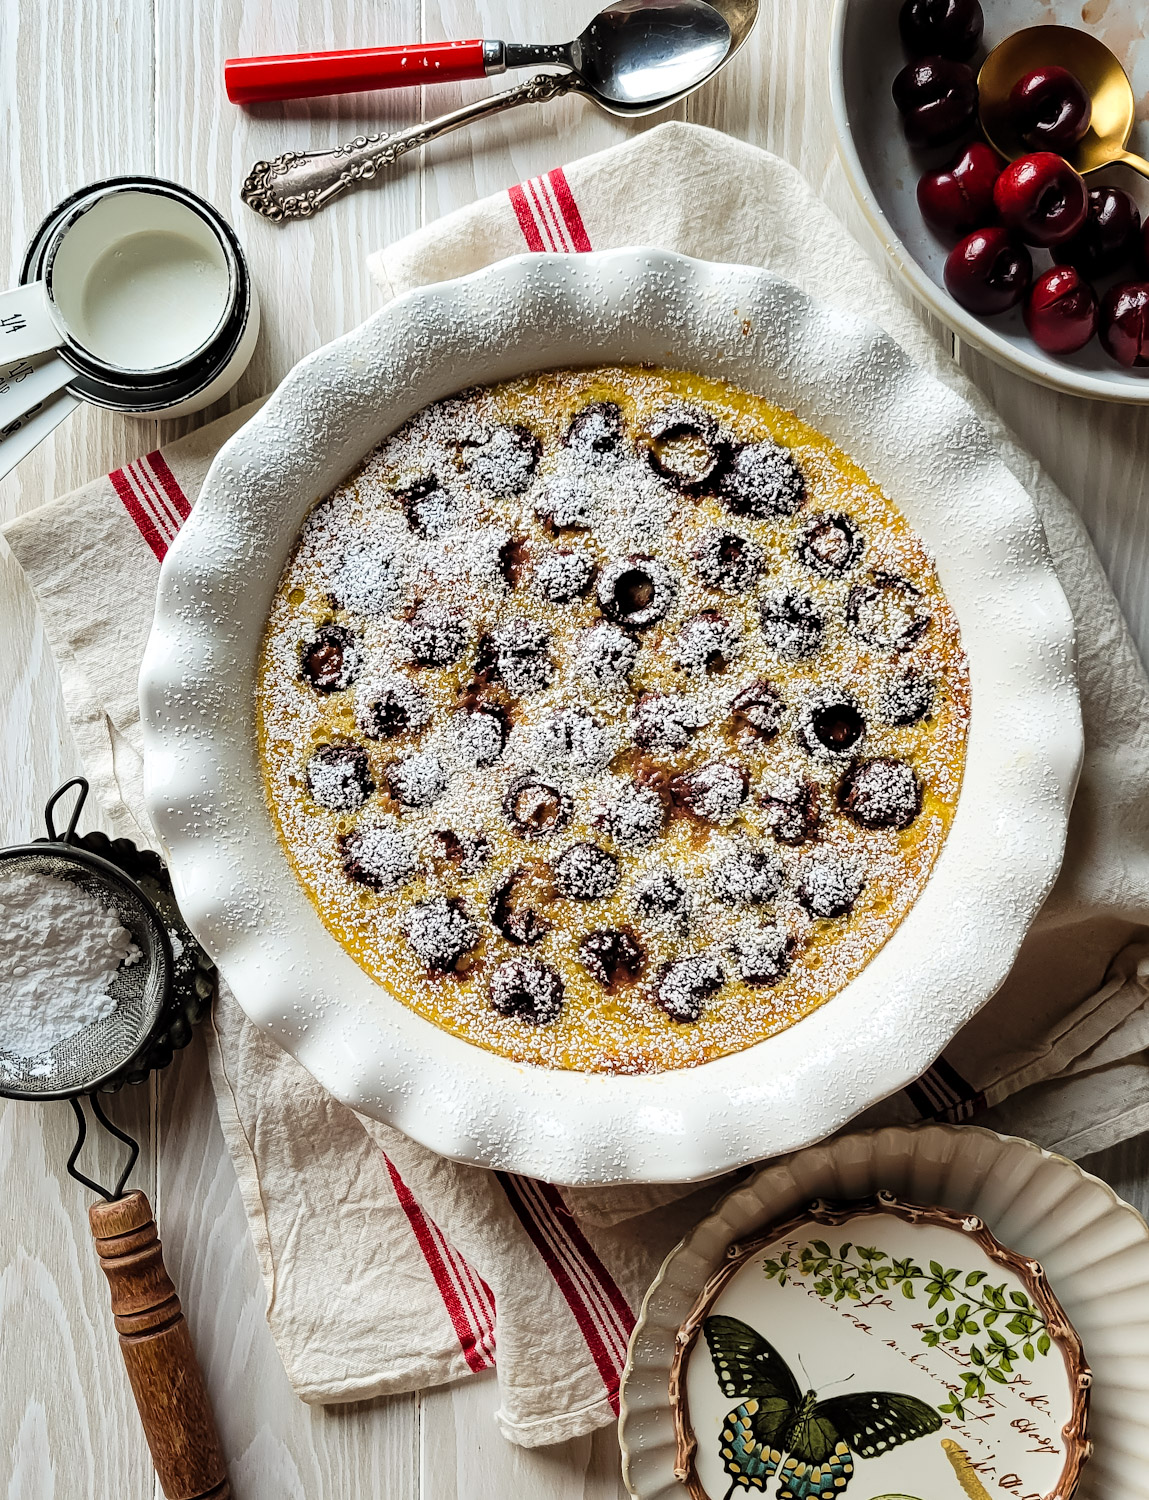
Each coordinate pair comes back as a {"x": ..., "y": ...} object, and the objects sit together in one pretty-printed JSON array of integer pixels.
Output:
[{"x": 134, "y": 296}]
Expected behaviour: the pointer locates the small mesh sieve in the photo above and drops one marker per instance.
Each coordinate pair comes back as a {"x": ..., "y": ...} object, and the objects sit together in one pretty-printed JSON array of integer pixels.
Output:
[
  {"x": 83, "y": 1063},
  {"x": 158, "y": 999}
]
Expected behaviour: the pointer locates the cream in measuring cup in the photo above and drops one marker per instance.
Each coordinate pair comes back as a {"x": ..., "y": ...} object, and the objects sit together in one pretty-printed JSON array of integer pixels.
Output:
[{"x": 136, "y": 297}]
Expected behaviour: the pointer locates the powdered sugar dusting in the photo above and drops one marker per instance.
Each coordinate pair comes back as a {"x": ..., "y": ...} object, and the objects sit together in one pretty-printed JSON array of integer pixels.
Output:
[
  {"x": 62, "y": 949},
  {"x": 597, "y": 686}
]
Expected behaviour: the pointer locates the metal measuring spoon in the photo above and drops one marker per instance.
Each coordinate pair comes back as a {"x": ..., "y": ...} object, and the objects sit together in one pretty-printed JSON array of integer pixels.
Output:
[
  {"x": 1101, "y": 74},
  {"x": 631, "y": 49}
]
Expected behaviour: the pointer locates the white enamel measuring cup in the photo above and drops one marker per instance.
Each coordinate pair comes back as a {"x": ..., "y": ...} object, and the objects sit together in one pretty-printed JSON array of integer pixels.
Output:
[{"x": 135, "y": 296}]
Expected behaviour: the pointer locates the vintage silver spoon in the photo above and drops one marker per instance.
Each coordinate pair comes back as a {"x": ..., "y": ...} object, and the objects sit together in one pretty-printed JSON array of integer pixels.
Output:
[{"x": 637, "y": 56}]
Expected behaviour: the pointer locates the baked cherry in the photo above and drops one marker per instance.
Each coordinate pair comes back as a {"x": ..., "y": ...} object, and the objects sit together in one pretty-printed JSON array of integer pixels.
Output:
[
  {"x": 791, "y": 811},
  {"x": 613, "y": 956},
  {"x": 960, "y": 198},
  {"x": 524, "y": 989},
  {"x": 1051, "y": 109},
  {"x": 937, "y": 99},
  {"x": 1061, "y": 312},
  {"x": 950, "y": 28},
  {"x": 534, "y": 809},
  {"x": 330, "y": 660},
  {"x": 1041, "y": 198},
  {"x": 880, "y": 793},
  {"x": 988, "y": 272},
  {"x": 685, "y": 985},
  {"x": 1108, "y": 238},
  {"x": 1125, "y": 323},
  {"x": 519, "y": 904}
]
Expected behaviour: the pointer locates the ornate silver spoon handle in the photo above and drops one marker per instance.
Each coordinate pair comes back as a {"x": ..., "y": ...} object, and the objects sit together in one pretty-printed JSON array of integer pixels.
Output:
[{"x": 300, "y": 183}]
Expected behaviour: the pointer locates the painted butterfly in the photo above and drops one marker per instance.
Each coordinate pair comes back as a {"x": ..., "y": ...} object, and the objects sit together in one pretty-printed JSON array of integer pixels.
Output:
[{"x": 774, "y": 1420}]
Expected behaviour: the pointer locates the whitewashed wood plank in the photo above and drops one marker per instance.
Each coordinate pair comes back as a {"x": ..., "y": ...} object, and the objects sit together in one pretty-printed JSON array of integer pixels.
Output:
[
  {"x": 463, "y": 1456},
  {"x": 67, "y": 1420},
  {"x": 38, "y": 752},
  {"x": 77, "y": 85},
  {"x": 311, "y": 277},
  {"x": 277, "y": 1447},
  {"x": 1126, "y": 1168}
]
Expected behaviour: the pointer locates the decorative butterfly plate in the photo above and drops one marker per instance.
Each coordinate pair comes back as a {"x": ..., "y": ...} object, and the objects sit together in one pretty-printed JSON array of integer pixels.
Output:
[{"x": 876, "y": 1346}]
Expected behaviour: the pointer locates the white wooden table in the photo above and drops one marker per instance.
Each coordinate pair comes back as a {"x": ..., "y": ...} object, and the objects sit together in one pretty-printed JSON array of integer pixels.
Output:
[{"x": 114, "y": 86}]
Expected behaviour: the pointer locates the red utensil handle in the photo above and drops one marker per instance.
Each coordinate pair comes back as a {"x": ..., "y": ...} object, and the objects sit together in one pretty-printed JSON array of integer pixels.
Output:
[{"x": 307, "y": 75}]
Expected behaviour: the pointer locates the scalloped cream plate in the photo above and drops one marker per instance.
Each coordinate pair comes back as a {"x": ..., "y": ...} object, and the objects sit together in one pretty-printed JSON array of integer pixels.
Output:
[
  {"x": 1092, "y": 1248},
  {"x": 916, "y": 439}
]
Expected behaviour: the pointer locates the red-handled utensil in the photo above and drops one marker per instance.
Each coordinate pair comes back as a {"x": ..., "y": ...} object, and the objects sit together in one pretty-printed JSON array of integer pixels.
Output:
[
  {"x": 632, "y": 53},
  {"x": 307, "y": 75}
]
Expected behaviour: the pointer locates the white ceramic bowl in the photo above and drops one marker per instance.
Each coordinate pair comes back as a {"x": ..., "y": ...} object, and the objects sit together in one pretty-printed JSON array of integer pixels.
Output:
[
  {"x": 865, "y": 57},
  {"x": 1093, "y": 1247},
  {"x": 916, "y": 438}
]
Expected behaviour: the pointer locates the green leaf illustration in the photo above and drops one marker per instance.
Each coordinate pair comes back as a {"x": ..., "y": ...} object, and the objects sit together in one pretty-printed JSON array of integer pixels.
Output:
[{"x": 838, "y": 1278}]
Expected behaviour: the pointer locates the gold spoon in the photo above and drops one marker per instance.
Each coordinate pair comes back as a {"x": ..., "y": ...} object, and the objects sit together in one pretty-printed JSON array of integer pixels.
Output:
[{"x": 1105, "y": 81}]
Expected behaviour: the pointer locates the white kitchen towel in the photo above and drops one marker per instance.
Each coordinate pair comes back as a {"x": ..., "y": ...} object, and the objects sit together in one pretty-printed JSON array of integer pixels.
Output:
[{"x": 389, "y": 1268}]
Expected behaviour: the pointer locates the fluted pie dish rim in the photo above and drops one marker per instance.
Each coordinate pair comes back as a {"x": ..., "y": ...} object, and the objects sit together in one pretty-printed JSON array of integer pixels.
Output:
[{"x": 845, "y": 377}]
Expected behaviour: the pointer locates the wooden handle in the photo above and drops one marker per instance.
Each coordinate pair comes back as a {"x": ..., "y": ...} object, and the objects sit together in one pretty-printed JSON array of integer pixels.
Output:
[{"x": 157, "y": 1348}]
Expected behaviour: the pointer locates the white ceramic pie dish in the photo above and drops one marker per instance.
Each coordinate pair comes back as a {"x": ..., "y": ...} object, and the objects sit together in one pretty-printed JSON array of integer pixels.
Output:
[
  {"x": 865, "y": 56},
  {"x": 846, "y": 377},
  {"x": 1093, "y": 1248}
]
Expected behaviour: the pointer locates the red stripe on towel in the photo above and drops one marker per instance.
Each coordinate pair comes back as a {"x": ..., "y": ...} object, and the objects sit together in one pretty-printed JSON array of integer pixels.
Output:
[
  {"x": 600, "y": 1310},
  {"x": 466, "y": 1296},
  {"x": 941, "y": 1093},
  {"x": 526, "y": 217},
  {"x": 548, "y": 214},
  {"x": 140, "y": 513},
  {"x": 579, "y": 238},
  {"x": 153, "y": 499},
  {"x": 167, "y": 482}
]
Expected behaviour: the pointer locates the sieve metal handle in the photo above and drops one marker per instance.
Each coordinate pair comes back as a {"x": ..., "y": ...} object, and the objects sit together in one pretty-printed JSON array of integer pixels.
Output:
[
  {"x": 81, "y": 1136},
  {"x": 157, "y": 1348},
  {"x": 69, "y": 836}
]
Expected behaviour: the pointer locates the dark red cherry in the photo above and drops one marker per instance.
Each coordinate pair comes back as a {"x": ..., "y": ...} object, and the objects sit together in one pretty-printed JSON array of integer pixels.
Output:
[
  {"x": 1041, "y": 198},
  {"x": 949, "y": 28},
  {"x": 1061, "y": 312},
  {"x": 988, "y": 272},
  {"x": 961, "y": 198},
  {"x": 1108, "y": 238},
  {"x": 1125, "y": 323},
  {"x": 1051, "y": 109},
  {"x": 937, "y": 99}
]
